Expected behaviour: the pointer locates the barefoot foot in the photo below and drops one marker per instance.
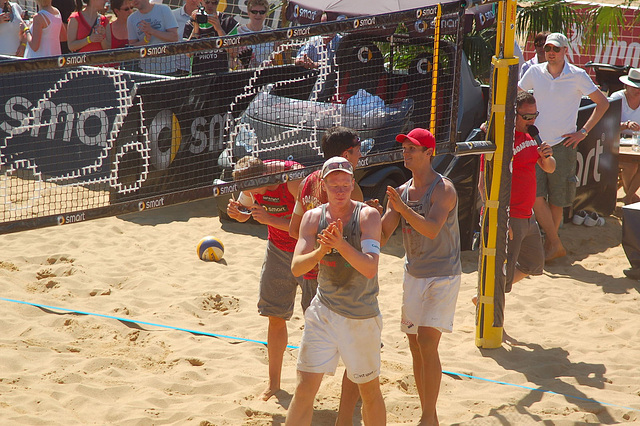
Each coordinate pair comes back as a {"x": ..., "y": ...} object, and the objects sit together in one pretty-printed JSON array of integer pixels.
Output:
[
  {"x": 555, "y": 252},
  {"x": 268, "y": 393}
]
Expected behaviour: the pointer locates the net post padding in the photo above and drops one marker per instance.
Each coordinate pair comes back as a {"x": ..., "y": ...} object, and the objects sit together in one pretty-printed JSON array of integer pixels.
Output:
[{"x": 495, "y": 223}]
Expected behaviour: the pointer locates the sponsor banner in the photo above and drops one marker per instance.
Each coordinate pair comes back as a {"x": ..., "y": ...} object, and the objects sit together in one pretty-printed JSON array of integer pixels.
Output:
[
  {"x": 65, "y": 124},
  {"x": 303, "y": 13},
  {"x": 597, "y": 168},
  {"x": 106, "y": 211}
]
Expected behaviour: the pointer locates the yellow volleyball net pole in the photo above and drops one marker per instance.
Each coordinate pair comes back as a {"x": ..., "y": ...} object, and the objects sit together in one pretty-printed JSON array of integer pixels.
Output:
[
  {"x": 497, "y": 177},
  {"x": 434, "y": 71}
]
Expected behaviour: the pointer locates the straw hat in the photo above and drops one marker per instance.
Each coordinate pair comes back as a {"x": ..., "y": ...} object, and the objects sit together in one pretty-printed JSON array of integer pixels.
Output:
[{"x": 633, "y": 79}]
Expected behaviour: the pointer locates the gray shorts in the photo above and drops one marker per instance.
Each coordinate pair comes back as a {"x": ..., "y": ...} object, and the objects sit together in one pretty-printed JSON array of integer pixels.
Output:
[
  {"x": 278, "y": 286},
  {"x": 525, "y": 251},
  {"x": 560, "y": 186}
]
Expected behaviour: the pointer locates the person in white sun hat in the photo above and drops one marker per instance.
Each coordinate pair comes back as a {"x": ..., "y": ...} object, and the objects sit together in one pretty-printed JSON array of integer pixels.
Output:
[{"x": 629, "y": 123}]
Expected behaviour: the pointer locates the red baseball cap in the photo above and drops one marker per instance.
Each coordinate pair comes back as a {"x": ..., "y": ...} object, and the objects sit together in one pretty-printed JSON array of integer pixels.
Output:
[{"x": 420, "y": 137}]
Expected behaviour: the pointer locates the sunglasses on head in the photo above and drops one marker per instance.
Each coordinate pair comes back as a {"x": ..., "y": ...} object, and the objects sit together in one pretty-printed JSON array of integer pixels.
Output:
[
  {"x": 529, "y": 116},
  {"x": 342, "y": 165},
  {"x": 258, "y": 12},
  {"x": 549, "y": 47}
]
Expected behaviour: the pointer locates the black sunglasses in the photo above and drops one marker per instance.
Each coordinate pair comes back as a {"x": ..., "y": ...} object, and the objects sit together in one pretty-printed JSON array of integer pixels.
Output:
[
  {"x": 548, "y": 48},
  {"x": 529, "y": 116},
  {"x": 258, "y": 12},
  {"x": 210, "y": 1}
]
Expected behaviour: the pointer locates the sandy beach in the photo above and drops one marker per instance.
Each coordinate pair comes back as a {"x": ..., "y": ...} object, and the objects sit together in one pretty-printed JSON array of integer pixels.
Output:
[{"x": 117, "y": 321}]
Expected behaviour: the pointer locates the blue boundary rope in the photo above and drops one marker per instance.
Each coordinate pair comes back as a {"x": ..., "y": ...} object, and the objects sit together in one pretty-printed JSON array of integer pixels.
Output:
[{"x": 242, "y": 339}]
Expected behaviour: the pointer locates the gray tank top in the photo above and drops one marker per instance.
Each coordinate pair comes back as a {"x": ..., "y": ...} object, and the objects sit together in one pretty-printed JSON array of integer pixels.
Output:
[
  {"x": 427, "y": 258},
  {"x": 341, "y": 287}
]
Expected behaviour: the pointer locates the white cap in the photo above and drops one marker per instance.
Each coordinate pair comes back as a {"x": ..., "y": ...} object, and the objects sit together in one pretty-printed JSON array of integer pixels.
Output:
[
  {"x": 334, "y": 164},
  {"x": 557, "y": 39}
]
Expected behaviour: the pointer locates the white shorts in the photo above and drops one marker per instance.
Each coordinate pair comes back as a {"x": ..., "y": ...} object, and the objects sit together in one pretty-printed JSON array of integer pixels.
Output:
[
  {"x": 429, "y": 302},
  {"x": 328, "y": 336}
]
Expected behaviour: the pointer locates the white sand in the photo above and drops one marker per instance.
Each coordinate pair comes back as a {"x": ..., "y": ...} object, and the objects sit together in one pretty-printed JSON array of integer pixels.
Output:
[{"x": 573, "y": 331}]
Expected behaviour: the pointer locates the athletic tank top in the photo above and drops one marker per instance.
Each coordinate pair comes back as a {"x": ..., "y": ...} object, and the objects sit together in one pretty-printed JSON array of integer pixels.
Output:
[
  {"x": 86, "y": 29},
  {"x": 311, "y": 194},
  {"x": 117, "y": 43},
  {"x": 427, "y": 258},
  {"x": 50, "y": 41},
  {"x": 341, "y": 287}
]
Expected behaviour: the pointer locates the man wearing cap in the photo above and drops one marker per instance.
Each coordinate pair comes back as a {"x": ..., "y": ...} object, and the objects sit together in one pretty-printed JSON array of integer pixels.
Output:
[
  {"x": 337, "y": 141},
  {"x": 427, "y": 206},
  {"x": 558, "y": 87},
  {"x": 343, "y": 321}
]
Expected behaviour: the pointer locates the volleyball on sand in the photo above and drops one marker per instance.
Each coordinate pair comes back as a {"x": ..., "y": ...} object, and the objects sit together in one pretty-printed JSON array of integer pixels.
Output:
[{"x": 210, "y": 248}]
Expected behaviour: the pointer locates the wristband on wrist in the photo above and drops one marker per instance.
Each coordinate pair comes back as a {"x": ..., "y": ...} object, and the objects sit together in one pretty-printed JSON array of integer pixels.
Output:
[
  {"x": 146, "y": 40},
  {"x": 23, "y": 44},
  {"x": 88, "y": 40}
]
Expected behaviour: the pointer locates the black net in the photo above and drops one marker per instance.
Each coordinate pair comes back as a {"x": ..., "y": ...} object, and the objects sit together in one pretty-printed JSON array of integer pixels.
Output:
[{"x": 109, "y": 132}]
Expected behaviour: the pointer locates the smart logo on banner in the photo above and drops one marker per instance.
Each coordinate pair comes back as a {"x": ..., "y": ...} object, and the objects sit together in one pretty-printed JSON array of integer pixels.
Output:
[
  {"x": 65, "y": 124},
  {"x": 300, "y": 12}
]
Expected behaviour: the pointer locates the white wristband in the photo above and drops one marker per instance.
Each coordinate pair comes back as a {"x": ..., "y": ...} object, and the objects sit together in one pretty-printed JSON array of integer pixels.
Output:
[
  {"x": 370, "y": 246},
  {"x": 298, "y": 209}
]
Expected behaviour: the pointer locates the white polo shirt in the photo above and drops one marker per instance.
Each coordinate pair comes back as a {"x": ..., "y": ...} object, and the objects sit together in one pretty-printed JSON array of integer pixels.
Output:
[{"x": 557, "y": 99}]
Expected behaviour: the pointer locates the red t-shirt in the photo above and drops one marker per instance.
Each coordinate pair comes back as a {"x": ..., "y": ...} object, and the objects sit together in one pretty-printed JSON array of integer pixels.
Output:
[
  {"x": 279, "y": 203},
  {"x": 523, "y": 175}
]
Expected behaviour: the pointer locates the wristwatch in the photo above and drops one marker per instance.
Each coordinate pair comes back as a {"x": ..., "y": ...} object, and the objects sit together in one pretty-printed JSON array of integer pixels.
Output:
[{"x": 583, "y": 131}]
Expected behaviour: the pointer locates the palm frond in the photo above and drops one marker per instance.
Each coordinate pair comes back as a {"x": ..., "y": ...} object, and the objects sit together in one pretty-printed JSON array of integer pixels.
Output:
[
  {"x": 601, "y": 23},
  {"x": 480, "y": 46},
  {"x": 547, "y": 15}
]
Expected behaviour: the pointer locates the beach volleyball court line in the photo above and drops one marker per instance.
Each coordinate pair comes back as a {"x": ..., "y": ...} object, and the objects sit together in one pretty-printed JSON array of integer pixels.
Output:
[
  {"x": 126, "y": 320},
  {"x": 242, "y": 339}
]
